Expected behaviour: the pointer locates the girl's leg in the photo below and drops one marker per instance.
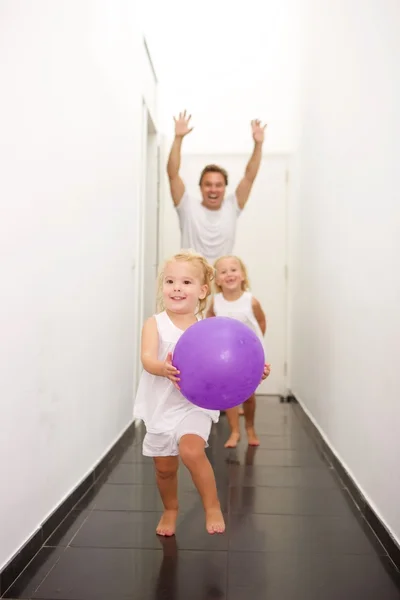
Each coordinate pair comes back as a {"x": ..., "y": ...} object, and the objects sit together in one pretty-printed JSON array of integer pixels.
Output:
[
  {"x": 249, "y": 412},
  {"x": 241, "y": 411},
  {"x": 167, "y": 481},
  {"x": 191, "y": 450},
  {"x": 233, "y": 420}
]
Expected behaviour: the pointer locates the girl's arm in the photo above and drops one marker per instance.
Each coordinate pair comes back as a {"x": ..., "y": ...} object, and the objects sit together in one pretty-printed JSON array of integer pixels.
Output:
[
  {"x": 149, "y": 354},
  {"x": 149, "y": 349},
  {"x": 259, "y": 315},
  {"x": 210, "y": 312}
]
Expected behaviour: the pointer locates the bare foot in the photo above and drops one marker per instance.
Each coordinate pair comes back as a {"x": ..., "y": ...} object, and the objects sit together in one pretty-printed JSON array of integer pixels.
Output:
[
  {"x": 252, "y": 437},
  {"x": 215, "y": 521},
  {"x": 167, "y": 524},
  {"x": 232, "y": 441}
]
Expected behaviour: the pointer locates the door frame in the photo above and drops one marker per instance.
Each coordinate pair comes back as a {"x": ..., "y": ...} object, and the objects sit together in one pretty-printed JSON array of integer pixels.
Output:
[
  {"x": 147, "y": 126},
  {"x": 288, "y": 158}
]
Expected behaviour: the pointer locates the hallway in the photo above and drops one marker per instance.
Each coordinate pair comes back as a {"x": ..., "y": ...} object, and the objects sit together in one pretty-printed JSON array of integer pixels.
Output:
[{"x": 292, "y": 532}]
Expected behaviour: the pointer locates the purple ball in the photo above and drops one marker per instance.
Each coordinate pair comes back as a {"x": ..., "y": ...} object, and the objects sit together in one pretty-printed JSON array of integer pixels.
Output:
[{"x": 221, "y": 363}]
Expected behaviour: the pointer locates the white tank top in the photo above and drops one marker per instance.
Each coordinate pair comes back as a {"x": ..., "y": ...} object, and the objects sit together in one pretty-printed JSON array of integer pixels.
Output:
[
  {"x": 240, "y": 309},
  {"x": 158, "y": 403}
]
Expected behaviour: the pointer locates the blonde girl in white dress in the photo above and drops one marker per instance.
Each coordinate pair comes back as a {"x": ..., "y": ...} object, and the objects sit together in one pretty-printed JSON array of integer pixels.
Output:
[
  {"x": 233, "y": 299},
  {"x": 175, "y": 427}
]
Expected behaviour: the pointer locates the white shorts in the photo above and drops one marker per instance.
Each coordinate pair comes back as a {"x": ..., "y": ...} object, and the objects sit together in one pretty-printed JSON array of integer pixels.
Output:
[{"x": 167, "y": 444}]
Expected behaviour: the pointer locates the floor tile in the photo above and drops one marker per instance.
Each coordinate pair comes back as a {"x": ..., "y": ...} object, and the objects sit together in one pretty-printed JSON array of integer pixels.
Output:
[
  {"x": 283, "y": 442},
  {"x": 141, "y": 498},
  {"x": 144, "y": 474},
  {"x": 119, "y": 574},
  {"x": 68, "y": 529},
  {"x": 308, "y": 577},
  {"x": 300, "y": 534},
  {"x": 278, "y": 428},
  {"x": 292, "y": 531},
  {"x": 129, "y": 473},
  {"x": 290, "y": 501},
  {"x": 126, "y": 497},
  {"x": 275, "y": 458},
  {"x": 112, "y": 529},
  {"x": 134, "y": 455},
  {"x": 30, "y": 579},
  {"x": 272, "y": 442},
  {"x": 304, "y": 477}
]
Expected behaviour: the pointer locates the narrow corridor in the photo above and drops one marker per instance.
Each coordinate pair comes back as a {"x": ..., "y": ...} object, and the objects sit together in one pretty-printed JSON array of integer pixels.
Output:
[{"x": 292, "y": 531}]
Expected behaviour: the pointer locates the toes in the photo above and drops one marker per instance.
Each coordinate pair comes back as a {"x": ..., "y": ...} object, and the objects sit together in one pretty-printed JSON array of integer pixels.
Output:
[
  {"x": 164, "y": 532},
  {"x": 215, "y": 528},
  {"x": 232, "y": 442}
]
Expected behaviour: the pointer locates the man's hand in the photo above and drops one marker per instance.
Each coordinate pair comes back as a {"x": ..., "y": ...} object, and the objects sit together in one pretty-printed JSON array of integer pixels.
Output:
[
  {"x": 182, "y": 125},
  {"x": 244, "y": 188},
  {"x": 176, "y": 184},
  {"x": 258, "y": 131}
]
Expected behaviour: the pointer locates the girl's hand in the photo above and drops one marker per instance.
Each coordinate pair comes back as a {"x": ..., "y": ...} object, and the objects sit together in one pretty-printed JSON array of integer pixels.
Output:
[
  {"x": 267, "y": 371},
  {"x": 170, "y": 372}
]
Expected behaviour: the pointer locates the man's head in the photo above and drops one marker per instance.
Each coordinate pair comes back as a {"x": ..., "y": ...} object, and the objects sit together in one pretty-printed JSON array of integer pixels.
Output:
[{"x": 213, "y": 182}]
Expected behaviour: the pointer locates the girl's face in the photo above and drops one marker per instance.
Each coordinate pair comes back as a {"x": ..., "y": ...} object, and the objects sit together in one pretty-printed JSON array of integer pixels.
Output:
[
  {"x": 182, "y": 287},
  {"x": 229, "y": 275}
]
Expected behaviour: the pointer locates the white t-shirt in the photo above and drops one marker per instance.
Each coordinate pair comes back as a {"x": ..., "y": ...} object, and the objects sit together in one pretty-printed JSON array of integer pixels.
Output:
[
  {"x": 209, "y": 232},
  {"x": 158, "y": 403}
]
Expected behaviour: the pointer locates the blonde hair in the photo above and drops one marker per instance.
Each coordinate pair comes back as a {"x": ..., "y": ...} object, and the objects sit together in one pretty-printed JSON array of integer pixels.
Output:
[
  {"x": 245, "y": 282},
  {"x": 206, "y": 274}
]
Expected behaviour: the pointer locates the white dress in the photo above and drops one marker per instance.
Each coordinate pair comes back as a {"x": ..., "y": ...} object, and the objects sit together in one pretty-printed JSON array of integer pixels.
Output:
[
  {"x": 240, "y": 309},
  {"x": 158, "y": 403}
]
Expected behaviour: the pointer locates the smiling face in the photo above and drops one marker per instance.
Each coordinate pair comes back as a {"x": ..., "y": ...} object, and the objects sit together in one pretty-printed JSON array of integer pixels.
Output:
[
  {"x": 212, "y": 188},
  {"x": 182, "y": 287},
  {"x": 229, "y": 274}
]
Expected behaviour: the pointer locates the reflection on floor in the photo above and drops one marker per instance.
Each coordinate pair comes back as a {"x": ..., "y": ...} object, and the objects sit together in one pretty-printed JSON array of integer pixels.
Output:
[{"x": 292, "y": 532}]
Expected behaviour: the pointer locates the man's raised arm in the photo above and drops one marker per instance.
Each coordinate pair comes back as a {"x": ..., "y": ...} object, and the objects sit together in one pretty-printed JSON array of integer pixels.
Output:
[
  {"x": 244, "y": 188},
  {"x": 176, "y": 184}
]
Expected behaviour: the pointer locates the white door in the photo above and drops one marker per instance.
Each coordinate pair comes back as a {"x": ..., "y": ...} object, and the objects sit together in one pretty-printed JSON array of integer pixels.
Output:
[
  {"x": 151, "y": 210},
  {"x": 260, "y": 243}
]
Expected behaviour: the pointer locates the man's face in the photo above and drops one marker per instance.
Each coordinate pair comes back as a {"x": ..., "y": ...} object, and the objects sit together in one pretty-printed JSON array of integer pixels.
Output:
[{"x": 213, "y": 190}]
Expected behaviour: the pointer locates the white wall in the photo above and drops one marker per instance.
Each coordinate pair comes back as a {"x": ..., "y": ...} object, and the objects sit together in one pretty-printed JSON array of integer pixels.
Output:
[
  {"x": 227, "y": 66},
  {"x": 346, "y": 246},
  {"x": 71, "y": 109}
]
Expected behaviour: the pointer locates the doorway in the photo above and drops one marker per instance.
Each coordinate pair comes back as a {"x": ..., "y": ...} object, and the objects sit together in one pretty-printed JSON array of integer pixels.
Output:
[
  {"x": 261, "y": 242},
  {"x": 151, "y": 219},
  {"x": 147, "y": 232}
]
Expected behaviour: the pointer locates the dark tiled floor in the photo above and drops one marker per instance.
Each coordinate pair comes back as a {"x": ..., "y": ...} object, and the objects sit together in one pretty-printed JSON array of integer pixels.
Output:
[{"x": 292, "y": 532}]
